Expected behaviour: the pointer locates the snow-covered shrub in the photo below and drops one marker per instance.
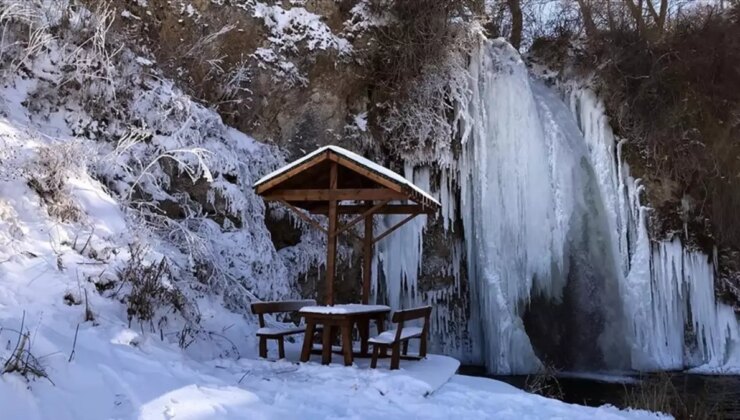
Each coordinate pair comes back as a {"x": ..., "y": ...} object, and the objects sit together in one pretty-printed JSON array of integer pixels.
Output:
[
  {"x": 150, "y": 292},
  {"x": 19, "y": 358},
  {"x": 89, "y": 60},
  {"x": 22, "y": 34},
  {"x": 47, "y": 176},
  {"x": 420, "y": 62}
]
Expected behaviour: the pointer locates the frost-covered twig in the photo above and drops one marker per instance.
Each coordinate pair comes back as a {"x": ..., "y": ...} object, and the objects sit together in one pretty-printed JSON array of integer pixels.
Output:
[
  {"x": 38, "y": 39},
  {"x": 74, "y": 345},
  {"x": 21, "y": 360},
  {"x": 202, "y": 170}
]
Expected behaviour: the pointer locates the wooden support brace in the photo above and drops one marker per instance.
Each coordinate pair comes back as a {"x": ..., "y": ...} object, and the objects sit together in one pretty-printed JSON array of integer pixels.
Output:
[
  {"x": 394, "y": 227},
  {"x": 362, "y": 217},
  {"x": 304, "y": 216}
]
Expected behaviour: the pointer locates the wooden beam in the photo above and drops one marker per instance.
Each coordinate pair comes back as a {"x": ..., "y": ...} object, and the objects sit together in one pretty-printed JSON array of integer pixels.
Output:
[
  {"x": 367, "y": 258},
  {"x": 367, "y": 173},
  {"x": 362, "y": 208},
  {"x": 335, "y": 195},
  {"x": 305, "y": 217},
  {"x": 409, "y": 192},
  {"x": 271, "y": 183},
  {"x": 394, "y": 227},
  {"x": 358, "y": 219},
  {"x": 331, "y": 248}
]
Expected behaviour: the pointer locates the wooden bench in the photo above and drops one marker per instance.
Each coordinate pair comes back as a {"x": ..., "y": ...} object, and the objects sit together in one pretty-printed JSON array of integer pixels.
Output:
[
  {"x": 278, "y": 333},
  {"x": 394, "y": 338}
]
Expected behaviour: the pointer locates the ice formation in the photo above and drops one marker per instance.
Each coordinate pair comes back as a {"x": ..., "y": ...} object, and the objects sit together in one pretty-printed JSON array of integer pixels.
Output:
[{"x": 556, "y": 241}]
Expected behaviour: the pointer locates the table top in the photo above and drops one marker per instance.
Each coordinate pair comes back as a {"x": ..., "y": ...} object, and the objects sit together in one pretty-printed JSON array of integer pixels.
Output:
[{"x": 348, "y": 309}]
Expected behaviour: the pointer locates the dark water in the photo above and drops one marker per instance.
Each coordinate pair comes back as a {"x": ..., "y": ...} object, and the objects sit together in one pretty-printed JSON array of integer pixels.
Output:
[{"x": 695, "y": 396}]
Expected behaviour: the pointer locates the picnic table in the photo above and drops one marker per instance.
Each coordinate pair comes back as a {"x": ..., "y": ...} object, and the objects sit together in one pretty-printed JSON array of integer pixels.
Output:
[{"x": 341, "y": 318}]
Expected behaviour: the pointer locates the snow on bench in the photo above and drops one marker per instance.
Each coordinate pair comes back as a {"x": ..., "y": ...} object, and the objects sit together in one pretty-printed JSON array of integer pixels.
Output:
[
  {"x": 388, "y": 337},
  {"x": 395, "y": 338},
  {"x": 274, "y": 332},
  {"x": 345, "y": 309}
]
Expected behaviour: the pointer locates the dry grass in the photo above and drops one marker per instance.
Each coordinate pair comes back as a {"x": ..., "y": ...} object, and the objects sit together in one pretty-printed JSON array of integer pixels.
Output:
[
  {"x": 545, "y": 383},
  {"x": 659, "y": 394},
  {"x": 21, "y": 360}
]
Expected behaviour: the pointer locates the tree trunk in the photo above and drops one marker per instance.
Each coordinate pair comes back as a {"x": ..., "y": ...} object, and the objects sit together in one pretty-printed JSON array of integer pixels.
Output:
[
  {"x": 517, "y": 22},
  {"x": 588, "y": 18},
  {"x": 636, "y": 12}
]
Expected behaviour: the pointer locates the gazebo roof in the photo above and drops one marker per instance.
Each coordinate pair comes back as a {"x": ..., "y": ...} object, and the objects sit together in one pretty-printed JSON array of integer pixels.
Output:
[
  {"x": 333, "y": 181},
  {"x": 304, "y": 182}
]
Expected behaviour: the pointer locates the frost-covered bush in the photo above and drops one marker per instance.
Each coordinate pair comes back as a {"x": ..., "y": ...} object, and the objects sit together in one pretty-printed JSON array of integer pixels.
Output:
[
  {"x": 20, "y": 359},
  {"x": 149, "y": 291},
  {"x": 420, "y": 54},
  {"x": 47, "y": 176}
]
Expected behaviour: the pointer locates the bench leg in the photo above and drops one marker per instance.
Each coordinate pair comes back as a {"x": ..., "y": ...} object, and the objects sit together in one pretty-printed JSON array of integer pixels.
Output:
[
  {"x": 307, "y": 340},
  {"x": 347, "y": 343},
  {"x": 326, "y": 345},
  {"x": 376, "y": 351},
  {"x": 423, "y": 347},
  {"x": 363, "y": 325},
  {"x": 396, "y": 356},
  {"x": 263, "y": 347},
  {"x": 406, "y": 348},
  {"x": 281, "y": 347}
]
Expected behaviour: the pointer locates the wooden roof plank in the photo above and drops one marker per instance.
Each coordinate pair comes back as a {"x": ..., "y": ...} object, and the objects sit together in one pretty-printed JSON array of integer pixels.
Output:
[
  {"x": 367, "y": 173},
  {"x": 338, "y": 195},
  {"x": 360, "y": 165},
  {"x": 387, "y": 209},
  {"x": 308, "y": 164}
]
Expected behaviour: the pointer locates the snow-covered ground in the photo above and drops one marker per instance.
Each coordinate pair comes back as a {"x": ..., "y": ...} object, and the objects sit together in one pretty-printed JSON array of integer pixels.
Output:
[{"x": 119, "y": 372}]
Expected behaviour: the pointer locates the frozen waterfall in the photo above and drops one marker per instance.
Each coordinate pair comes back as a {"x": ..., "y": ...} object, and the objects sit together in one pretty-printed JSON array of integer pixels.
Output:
[
  {"x": 536, "y": 226},
  {"x": 560, "y": 267}
]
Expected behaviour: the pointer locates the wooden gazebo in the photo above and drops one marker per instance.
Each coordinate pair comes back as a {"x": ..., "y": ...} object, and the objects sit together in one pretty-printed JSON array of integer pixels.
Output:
[{"x": 333, "y": 181}]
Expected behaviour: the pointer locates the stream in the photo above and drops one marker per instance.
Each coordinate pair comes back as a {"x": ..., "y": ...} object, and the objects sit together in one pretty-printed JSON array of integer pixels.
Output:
[{"x": 692, "y": 393}]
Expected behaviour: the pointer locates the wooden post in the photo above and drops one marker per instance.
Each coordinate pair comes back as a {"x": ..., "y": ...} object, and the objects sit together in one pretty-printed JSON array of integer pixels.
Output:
[
  {"x": 331, "y": 246},
  {"x": 367, "y": 257}
]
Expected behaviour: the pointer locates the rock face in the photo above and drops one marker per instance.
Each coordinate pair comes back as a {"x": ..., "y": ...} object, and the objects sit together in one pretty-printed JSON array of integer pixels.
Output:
[
  {"x": 285, "y": 75},
  {"x": 297, "y": 74}
]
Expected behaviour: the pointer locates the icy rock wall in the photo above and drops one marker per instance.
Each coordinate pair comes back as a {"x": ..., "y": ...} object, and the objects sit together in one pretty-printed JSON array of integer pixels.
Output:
[
  {"x": 549, "y": 211},
  {"x": 534, "y": 219},
  {"x": 673, "y": 320}
]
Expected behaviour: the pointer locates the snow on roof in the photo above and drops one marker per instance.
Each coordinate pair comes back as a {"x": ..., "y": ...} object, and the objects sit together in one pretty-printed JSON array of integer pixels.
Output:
[{"x": 367, "y": 163}]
